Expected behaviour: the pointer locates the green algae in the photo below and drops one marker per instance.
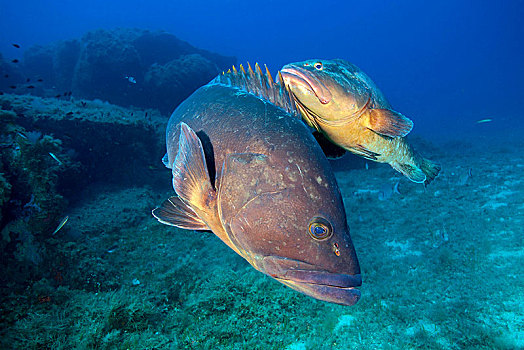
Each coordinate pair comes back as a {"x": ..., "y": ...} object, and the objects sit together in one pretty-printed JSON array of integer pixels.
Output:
[{"x": 128, "y": 282}]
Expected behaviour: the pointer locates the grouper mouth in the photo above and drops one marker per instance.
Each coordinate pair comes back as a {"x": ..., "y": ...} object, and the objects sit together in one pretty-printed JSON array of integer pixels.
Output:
[
  {"x": 320, "y": 284},
  {"x": 298, "y": 76}
]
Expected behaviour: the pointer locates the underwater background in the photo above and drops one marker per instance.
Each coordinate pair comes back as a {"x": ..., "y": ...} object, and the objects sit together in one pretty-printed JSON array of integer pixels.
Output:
[{"x": 86, "y": 89}]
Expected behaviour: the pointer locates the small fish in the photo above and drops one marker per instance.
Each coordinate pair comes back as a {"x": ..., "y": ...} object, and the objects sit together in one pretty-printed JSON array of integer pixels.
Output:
[
  {"x": 131, "y": 79},
  {"x": 28, "y": 80},
  {"x": 388, "y": 190},
  {"x": 40, "y": 80},
  {"x": 83, "y": 103},
  {"x": 16, "y": 45},
  {"x": 30, "y": 87},
  {"x": 55, "y": 158},
  {"x": 6, "y": 75},
  {"x": 341, "y": 102},
  {"x": 15, "y": 61},
  {"x": 1, "y": 93},
  {"x": 465, "y": 178},
  {"x": 69, "y": 113},
  {"x": 13, "y": 86},
  {"x": 60, "y": 225},
  {"x": 487, "y": 120},
  {"x": 58, "y": 96},
  {"x": 22, "y": 135}
]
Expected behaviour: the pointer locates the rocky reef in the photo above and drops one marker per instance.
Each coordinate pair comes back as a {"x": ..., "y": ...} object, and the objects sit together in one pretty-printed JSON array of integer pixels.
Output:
[
  {"x": 78, "y": 116},
  {"x": 51, "y": 151},
  {"x": 127, "y": 67}
]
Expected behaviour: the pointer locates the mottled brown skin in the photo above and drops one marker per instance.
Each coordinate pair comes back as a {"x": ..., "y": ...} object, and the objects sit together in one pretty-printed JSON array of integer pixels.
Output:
[
  {"x": 271, "y": 180},
  {"x": 342, "y": 102}
]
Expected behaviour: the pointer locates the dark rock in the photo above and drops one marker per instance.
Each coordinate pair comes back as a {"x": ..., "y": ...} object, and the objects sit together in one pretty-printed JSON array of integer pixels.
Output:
[
  {"x": 128, "y": 67},
  {"x": 174, "y": 81},
  {"x": 106, "y": 59},
  {"x": 65, "y": 59},
  {"x": 51, "y": 66},
  {"x": 38, "y": 62},
  {"x": 160, "y": 47},
  {"x": 113, "y": 144}
]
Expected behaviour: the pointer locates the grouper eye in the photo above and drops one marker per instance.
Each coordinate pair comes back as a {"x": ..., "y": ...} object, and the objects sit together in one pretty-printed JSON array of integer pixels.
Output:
[
  {"x": 320, "y": 229},
  {"x": 318, "y": 66}
]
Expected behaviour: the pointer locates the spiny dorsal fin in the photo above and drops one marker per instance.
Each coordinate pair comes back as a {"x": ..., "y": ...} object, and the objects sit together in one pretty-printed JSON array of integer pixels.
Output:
[
  {"x": 269, "y": 77},
  {"x": 259, "y": 71},
  {"x": 280, "y": 79},
  {"x": 250, "y": 71},
  {"x": 260, "y": 84},
  {"x": 270, "y": 83},
  {"x": 262, "y": 80}
]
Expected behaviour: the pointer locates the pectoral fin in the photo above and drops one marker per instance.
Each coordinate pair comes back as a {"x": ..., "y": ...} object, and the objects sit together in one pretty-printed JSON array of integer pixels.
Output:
[
  {"x": 196, "y": 197},
  {"x": 190, "y": 175},
  {"x": 389, "y": 123},
  {"x": 174, "y": 212},
  {"x": 195, "y": 206}
]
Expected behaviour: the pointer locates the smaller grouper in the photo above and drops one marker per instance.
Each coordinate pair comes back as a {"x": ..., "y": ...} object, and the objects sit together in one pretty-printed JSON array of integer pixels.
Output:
[
  {"x": 245, "y": 167},
  {"x": 342, "y": 103}
]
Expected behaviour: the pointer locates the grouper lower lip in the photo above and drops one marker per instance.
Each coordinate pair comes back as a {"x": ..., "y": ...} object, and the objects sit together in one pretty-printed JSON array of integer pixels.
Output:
[
  {"x": 323, "y": 278},
  {"x": 302, "y": 77},
  {"x": 324, "y": 285},
  {"x": 333, "y": 294}
]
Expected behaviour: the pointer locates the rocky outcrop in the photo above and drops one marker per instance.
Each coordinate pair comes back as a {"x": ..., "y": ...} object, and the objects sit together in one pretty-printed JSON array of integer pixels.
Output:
[
  {"x": 128, "y": 67},
  {"x": 51, "y": 150},
  {"x": 175, "y": 80}
]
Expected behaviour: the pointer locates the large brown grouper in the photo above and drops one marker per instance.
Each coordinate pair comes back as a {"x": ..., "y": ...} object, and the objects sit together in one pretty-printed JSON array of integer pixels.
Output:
[
  {"x": 344, "y": 104},
  {"x": 246, "y": 169}
]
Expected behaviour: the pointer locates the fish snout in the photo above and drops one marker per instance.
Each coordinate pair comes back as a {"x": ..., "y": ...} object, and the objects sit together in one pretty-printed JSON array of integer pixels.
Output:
[
  {"x": 302, "y": 78},
  {"x": 328, "y": 286}
]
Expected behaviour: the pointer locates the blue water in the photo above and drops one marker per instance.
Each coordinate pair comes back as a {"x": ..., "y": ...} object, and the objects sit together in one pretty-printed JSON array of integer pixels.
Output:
[
  {"x": 442, "y": 266},
  {"x": 445, "y": 64}
]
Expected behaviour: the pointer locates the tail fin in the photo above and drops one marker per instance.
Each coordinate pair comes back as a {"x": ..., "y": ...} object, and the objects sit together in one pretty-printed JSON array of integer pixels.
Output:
[
  {"x": 410, "y": 171},
  {"x": 430, "y": 168},
  {"x": 422, "y": 170}
]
